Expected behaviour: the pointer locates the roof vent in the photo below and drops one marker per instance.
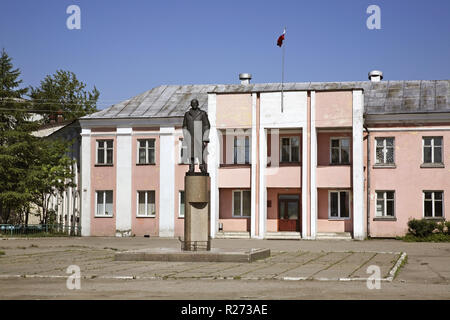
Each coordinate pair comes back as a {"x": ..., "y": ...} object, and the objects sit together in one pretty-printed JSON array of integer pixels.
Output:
[
  {"x": 375, "y": 75},
  {"x": 245, "y": 78}
]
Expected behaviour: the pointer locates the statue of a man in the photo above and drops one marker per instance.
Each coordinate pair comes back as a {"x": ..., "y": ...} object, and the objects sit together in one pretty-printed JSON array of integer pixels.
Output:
[{"x": 196, "y": 135}]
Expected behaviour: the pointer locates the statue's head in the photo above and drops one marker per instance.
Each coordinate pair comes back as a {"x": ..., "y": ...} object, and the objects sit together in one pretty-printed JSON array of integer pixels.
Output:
[{"x": 194, "y": 104}]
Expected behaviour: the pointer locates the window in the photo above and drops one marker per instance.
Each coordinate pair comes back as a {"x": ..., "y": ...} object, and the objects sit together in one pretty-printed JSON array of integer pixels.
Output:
[
  {"x": 241, "y": 203},
  {"x": 290, "y": 149},
  {"x": 385, "y": 204},
  {"x": 182, "y": 206},
  {"x": 146, "y": 204},
  {"x": 104, "y": 203},
  {"x": 432, "y": 149},
  {"x": 146, "y": 151},
  {"x": 432, "y": 204},
  {"x": 384, "y": 150},
  {"x": 340, "y": 151},
  {"x": 241, "y": 149},
  {"x": 339, "y": 204},
  {"x": 104, "y": 151}
]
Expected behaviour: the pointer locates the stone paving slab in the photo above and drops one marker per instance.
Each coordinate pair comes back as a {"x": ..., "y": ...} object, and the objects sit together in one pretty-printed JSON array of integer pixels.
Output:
[
  {"x": 384, "y": 260},
  {"x": 280, "y": 265}
]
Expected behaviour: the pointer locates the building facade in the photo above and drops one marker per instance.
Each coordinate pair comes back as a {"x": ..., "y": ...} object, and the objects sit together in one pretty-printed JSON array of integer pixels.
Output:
[{"x": 306, "y": 161}]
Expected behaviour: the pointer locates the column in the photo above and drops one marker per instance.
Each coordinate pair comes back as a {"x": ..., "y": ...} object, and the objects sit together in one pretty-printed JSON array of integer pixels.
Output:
[
  {"x": 313, "y": 167},
  {"x": 85, "y": 182},
  {"x": 214, "y": 149},
  {"x": 167, "y": 182},
  {"x": 123, "y": 183},
  {"x": 359, "y": 232}
]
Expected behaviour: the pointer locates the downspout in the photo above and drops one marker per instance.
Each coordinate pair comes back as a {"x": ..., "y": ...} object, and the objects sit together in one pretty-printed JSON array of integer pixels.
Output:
[{"x": 368, "y": 180}]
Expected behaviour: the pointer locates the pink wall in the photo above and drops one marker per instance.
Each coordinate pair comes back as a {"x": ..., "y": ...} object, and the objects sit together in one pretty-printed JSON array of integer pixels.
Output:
[
  {"x": 407, "y": 179},
  {"x": 288, "y": 177},
  {"x": 144, "y": 177},
  {"x": 333, "y": 177},
  {"x": 230, "y": 223},
  {"x": 233, "y": 177},
  {"x": 334, "y": 109},
  {"x": 324, "y": 224},
  {"x": 234, "y": 110},
  {"x": 103, "y": 178}
]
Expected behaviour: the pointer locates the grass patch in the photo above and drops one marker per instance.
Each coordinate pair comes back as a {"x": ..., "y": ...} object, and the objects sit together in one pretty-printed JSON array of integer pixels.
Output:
[
  {"x": 405, "y": 261},
  {"x": 2, "y": 253},
  {"x": 436, "y": 237}
]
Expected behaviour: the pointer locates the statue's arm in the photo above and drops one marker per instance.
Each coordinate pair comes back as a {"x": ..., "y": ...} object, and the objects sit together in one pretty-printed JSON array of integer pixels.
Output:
[{"x": 206, "y": 127}]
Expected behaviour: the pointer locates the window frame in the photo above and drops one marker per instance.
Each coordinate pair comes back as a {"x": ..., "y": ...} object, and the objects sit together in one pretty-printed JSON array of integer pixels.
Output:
[
  {"x": 339, "y": 217},
  {"x": 105, "y": 150},
  {"x": 104, "y": 204},
  {"x": 433, "y": 200},
  {"x": 384, "y": 163},
  {"x": 432, "y": 150},
  {"x": 147, "y": 153},
  {"x": 146, "y": 204},
  {"x": 241, "y": 191},
  {"x": 290, "y": 149},
  {"x": 385, "y": 200},
  {"x": 246, "y": 148},
  {"x": 179, "y": 204},
  {"x": 340, "y": 150}
]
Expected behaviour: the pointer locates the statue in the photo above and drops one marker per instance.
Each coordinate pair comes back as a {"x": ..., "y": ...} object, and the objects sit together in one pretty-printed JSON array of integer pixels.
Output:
[{"x": 196, "y": 135}]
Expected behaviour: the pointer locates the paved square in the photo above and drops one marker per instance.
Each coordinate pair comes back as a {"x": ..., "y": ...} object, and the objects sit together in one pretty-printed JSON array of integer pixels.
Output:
[{"x": 36, "y": 269}]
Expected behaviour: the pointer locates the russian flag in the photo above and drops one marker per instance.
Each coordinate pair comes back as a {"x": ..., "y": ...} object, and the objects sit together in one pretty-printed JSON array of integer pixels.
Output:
[{"x": 281, "y": 38}]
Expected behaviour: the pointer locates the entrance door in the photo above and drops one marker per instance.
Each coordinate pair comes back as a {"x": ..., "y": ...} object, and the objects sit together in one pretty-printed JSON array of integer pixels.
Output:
[{"x": 289, "y": 212}]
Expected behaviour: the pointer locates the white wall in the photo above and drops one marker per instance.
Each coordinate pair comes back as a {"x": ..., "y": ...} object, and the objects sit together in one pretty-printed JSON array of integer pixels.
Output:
[
  {"x": 86, "y": 182},
  {"x": 359, "y": 232},
  {"x": 167, "y": 182},
  {"x": 123, "y": 182}
]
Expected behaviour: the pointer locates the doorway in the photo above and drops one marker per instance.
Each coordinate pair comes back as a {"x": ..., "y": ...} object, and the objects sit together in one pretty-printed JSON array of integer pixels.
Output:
[{"x": 289, "y": 212}]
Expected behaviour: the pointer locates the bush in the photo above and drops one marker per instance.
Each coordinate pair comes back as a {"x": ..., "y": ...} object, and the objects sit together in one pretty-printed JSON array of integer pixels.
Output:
[
  {"x": 435, "y": 237},
  {"x": 421, "y": 228},
  {"x": 447, "y": 224}
]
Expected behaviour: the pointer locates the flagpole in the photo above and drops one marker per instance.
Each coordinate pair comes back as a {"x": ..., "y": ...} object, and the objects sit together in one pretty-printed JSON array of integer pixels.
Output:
[
  {"x": 282, "y": 79},
  {"x": 282, "y": 74}
]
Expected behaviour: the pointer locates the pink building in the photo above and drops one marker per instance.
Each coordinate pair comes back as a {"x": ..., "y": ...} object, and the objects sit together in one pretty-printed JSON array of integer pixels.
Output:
[{"x": 341, "y": 160}]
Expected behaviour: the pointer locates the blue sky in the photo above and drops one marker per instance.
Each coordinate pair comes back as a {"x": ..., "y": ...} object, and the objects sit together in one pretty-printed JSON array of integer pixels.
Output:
[{"x": 128, "y": 47}]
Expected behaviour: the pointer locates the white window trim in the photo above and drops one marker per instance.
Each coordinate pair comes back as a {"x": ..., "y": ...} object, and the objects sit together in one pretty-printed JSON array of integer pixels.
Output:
[
  {"x": 179, "y": 204},
  {"x": 432, "y": 149},
  {"x": 290, "y": 148},
  {"x": 340, "y": 148},
  {"x": 244, "y": 136},
  {"x": 146, "y": 204},
  {"x": 104, "y": 204},
  {"x": 339, "y": 206},
  {"x": 105, "y": 150},
  {"x": 147, "y": 154},
  {"x": 432, "y": 204},
  {"x": 242, "y": 204},
  {"x": 385, "y": 151},
  {"x": 385, "y": 203}
]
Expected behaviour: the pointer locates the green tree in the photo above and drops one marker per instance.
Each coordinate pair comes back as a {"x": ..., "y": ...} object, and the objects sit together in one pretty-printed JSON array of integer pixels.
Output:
[
  {"x": 16, "y": 143},
  {"x": 49, "y": 174},
  {"x": 63, "y": 91}
]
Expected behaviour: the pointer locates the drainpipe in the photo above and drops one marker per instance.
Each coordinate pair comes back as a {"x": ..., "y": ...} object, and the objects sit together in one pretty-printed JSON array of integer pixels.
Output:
[{"x": 368, "y": 180}]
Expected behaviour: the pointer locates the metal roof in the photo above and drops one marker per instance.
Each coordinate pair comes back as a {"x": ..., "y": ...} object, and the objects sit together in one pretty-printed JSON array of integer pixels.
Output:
[{"x": 384, "y": 97}]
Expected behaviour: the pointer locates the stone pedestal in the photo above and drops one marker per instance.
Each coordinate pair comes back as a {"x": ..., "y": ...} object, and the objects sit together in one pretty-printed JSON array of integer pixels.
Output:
[{"x": 196, "y": 214}]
